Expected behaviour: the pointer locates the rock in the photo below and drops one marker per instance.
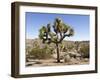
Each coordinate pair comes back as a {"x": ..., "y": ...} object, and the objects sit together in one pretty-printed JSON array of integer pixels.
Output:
[{"x": 67, "y": 58}]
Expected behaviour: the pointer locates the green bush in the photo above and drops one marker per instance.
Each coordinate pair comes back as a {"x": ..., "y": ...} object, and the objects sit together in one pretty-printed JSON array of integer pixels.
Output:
[
  {"x": 84, "y": 50},
  {"x": 38, "y": 53}
]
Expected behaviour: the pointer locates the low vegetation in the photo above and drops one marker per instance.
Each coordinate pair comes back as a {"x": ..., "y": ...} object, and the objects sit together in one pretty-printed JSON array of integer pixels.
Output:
[
  {"x": 46, "y": 52},
  {"x": 84, "y": 51},
  {"x": 40, "y": 53}
]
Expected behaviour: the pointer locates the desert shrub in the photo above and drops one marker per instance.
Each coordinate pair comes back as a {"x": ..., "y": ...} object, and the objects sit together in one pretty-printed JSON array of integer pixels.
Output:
[
  {"x": 38, "y": 53},
  {"x": 77, "y": 44},
  {"x": 70, "y": 47},
  {"x": 84, "y": 50}
]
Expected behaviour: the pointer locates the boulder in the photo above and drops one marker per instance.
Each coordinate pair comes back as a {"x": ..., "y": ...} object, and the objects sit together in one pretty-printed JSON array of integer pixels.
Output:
[{"x": 67, "y": 58}]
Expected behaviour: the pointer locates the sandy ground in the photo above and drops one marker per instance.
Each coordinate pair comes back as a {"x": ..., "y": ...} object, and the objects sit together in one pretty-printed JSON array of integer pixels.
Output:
[{"x": 52, "y": 62}]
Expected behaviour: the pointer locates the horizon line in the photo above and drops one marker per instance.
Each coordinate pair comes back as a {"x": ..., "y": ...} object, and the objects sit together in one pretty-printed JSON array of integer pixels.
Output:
[{"x": 64, "y": 39}]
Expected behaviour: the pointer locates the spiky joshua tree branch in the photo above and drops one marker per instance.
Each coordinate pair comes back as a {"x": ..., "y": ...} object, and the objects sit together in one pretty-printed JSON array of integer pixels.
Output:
[{"x": 59, "y": 31}]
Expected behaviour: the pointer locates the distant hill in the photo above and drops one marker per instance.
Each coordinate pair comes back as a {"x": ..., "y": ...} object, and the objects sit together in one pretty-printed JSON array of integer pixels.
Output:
[{"x": 32, "y": 43}]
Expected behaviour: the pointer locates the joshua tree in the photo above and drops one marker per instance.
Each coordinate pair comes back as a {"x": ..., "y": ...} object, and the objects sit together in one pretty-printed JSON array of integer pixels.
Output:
[{"x": 55, "y": 35}]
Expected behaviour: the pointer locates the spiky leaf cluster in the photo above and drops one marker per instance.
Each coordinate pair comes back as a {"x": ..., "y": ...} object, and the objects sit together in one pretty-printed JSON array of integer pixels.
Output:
[{"x": 59, "y": 31}]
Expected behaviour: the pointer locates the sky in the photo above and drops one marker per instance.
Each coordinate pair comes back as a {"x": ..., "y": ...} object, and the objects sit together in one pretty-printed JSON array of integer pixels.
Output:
[{"x": 80, "y": 24}]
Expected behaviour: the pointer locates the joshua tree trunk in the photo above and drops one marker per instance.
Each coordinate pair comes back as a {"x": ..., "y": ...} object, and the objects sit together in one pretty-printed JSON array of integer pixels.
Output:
[{"x": 58, "y": 56}]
